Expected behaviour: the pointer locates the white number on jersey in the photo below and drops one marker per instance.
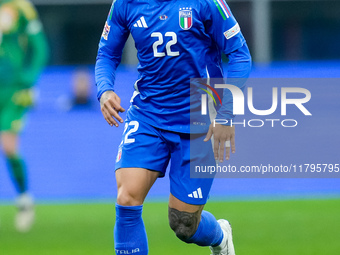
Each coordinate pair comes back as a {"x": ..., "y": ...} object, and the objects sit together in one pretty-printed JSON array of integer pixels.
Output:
[
  {"x": 168, "y": 45},
  {"x": 157, "y": 54}
]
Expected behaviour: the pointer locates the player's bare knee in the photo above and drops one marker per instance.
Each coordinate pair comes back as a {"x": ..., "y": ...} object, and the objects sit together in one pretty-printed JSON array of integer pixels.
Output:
[
  {"x": 9, "y": 149},
  {"x": 184, "y": 224},
  {"x": 128, "y": 199},
  {"x": 9, "y": 144}
]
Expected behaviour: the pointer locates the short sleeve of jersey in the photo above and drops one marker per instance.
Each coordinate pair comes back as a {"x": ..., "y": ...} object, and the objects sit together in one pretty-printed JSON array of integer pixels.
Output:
[
  {"x": 114, "y": 36},
  {"x": 221, "y": 25}
]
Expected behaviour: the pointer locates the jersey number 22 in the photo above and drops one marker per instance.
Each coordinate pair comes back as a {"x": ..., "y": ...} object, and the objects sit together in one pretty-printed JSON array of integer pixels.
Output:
[{"x": 167, "y": 46}]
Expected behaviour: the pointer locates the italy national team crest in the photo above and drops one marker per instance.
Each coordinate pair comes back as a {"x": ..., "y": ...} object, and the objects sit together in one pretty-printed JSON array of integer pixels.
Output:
[{"x": 185, "y": 18}]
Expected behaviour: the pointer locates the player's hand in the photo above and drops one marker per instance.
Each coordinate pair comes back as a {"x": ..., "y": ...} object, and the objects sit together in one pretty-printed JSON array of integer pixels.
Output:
[
  {"x": 224, "y": 137},
  {"x": 23, "y": 97},
  {"x": 110, "y": 107}
]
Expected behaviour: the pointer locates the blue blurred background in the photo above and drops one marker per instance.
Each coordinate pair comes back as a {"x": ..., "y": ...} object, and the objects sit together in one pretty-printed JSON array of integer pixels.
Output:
[{"x": 70, "y": 150}]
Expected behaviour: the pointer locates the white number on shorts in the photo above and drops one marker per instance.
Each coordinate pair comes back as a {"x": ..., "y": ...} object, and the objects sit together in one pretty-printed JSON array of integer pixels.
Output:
[{"x": 135, "y": 127}]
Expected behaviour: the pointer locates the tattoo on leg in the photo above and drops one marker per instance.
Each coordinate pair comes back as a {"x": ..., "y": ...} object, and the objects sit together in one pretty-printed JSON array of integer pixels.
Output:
[{"x": 184, "y": 224}]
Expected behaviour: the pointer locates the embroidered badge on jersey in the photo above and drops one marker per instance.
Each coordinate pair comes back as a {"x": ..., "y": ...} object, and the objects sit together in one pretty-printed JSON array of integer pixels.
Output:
[
  {"x": 232, "y": 31},
  {"x": 106, "y": 31},
  {"x": 185, "y": 18},
  {"x": 119, "y": 154},
  {"x": 163, "y": 17}
]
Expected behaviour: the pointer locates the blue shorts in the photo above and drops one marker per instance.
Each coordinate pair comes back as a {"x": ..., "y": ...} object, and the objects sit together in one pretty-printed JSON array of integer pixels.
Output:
[{"x": 145, "y": 146}]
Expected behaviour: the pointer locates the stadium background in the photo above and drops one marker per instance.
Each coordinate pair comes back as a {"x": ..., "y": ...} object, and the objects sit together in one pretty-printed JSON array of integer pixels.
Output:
[{"x": 70, "y": 151}]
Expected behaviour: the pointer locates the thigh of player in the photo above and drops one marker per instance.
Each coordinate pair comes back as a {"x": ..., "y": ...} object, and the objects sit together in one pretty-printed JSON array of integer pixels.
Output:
[
  {"x": 190, "y": 194},
  {"x": 11, "y": 116},
  {"x": 142, "y": 157}
]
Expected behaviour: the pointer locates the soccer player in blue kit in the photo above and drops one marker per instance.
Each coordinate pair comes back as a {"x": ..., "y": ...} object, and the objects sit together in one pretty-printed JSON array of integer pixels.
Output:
[{"x": 176, "y": 40}]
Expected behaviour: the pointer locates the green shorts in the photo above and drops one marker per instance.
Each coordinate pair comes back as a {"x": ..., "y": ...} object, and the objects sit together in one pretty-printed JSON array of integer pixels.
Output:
[{"x": 11, "y": 115}]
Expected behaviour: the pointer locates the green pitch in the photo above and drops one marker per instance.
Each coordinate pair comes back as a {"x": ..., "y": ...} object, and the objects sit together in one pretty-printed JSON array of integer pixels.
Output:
[{"x": 301, "y": 227}]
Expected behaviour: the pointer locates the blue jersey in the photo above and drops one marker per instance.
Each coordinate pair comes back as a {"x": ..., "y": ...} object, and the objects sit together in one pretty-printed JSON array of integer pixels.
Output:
[{"x": 176, "y": 40}]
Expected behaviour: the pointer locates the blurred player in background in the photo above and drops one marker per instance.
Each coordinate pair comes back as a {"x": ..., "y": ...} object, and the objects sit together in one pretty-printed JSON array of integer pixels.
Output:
[
  {"x": 81, "y": 88},
  {"x": 176, "y": 41},
  {"x": 23, "y": 55}
]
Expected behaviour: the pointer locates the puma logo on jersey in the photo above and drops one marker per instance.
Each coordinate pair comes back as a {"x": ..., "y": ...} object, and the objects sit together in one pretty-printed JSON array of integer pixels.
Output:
[{"x": 141, "y": 23}]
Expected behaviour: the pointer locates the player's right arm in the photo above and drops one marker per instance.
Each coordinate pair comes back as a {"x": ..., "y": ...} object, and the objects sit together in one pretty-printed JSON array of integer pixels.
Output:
[{"x": 110, "y": 50}]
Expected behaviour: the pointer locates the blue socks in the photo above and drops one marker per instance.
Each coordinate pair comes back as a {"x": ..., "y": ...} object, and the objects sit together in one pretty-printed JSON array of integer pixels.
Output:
[
  {"x": 208, "y": 233},
  {"x": 129, "y": 232},
  {"x": 130, "y": 235}
]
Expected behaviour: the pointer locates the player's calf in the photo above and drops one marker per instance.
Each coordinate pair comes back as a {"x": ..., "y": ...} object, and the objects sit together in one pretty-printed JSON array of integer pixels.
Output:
[
  {"x": 184, "y": 224},
  {"x": 129, "y": 232},
  {"x": 199, "y": 228}
]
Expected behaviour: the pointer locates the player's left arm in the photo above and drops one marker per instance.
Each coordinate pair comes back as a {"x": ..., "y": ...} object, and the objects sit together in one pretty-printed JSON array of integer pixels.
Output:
[
  {"x": 224, "y": 135},
  {"x": 226, "y": 33}
]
